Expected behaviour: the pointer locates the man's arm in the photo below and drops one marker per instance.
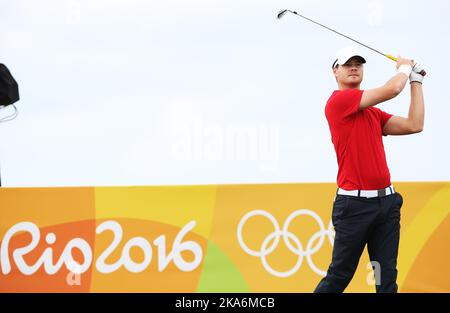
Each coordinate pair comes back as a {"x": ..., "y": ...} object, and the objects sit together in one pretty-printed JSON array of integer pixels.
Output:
[
  {"x": 389, "y": 90},
  {"x": 398, "y": 125}
]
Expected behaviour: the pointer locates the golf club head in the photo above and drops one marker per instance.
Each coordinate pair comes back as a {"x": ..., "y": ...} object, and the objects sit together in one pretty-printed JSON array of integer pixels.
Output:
[{"x": 281, "y": 14}]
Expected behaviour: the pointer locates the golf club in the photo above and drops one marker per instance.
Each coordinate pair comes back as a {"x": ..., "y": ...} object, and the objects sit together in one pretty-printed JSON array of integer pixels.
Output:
[{"x": 283, "y": 12}]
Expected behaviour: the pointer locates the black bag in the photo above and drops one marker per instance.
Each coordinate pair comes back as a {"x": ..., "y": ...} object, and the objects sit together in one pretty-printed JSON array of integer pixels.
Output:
[{"x": 9, "y": 90}]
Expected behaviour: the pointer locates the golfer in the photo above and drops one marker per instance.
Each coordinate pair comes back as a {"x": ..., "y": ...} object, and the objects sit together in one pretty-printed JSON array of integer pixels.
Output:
[{"x": 366, "y": 209}]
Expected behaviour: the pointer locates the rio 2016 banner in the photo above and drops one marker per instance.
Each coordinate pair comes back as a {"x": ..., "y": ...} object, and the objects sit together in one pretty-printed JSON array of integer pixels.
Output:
[{"x": 212, "y": 238}]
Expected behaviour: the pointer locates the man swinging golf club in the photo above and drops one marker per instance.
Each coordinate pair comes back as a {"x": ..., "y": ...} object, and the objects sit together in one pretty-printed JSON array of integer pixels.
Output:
[{"x": 366, "y": 209}]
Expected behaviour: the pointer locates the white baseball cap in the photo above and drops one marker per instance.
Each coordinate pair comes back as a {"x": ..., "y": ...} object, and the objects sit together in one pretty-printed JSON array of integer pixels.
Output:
[{"x": 345, "y": 54}]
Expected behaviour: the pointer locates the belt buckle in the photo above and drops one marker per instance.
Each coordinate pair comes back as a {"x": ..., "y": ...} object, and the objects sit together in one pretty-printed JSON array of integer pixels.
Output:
[{"x": 381, "y": 192}]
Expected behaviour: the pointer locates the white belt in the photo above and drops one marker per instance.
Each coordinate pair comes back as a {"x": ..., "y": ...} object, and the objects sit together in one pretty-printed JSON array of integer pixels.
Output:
[{"x": 367, "y": 193}]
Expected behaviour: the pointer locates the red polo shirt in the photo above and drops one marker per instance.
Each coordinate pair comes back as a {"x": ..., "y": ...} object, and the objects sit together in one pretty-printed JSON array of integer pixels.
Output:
[{"x": 357, "y": 139}]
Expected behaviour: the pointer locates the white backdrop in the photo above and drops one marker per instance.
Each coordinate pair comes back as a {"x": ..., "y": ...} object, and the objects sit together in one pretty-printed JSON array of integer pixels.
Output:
[{"x": 129, "y": 92}]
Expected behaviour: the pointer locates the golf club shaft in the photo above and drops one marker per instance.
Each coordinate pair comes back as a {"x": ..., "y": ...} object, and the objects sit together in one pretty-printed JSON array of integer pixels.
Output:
[{"x": 294, "y": 12}]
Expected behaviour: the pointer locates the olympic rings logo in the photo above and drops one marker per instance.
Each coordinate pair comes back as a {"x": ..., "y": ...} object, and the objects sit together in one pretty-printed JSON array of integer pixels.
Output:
[{"x": 298, "y": 250}]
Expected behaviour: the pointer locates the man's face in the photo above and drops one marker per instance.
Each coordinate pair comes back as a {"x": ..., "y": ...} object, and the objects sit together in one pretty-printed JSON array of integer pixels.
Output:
[{"x": 351, "y": 73}]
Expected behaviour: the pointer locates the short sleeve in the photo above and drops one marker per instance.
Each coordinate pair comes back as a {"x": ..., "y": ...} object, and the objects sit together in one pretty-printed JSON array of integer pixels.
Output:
[
  {"x": 344, "y": 103},
  {"x": 384, "y": 117}
]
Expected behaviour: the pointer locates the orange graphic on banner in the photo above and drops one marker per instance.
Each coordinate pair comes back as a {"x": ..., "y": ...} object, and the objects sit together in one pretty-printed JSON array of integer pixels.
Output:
[{"x": 256, "y": 238}]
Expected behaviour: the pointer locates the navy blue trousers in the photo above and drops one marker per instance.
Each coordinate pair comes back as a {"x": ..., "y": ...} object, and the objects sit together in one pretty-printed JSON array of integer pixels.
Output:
[{"x": 359, "y": 221}]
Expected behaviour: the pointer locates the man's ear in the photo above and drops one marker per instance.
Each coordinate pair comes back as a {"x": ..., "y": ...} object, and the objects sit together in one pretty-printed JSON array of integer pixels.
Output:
[{"x": 335, "y": 70}]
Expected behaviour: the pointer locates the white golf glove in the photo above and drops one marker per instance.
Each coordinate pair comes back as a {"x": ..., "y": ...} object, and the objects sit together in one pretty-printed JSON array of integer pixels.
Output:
[
  {"x": 418, "y": 68},
  {"x": 415, "y": 77}
]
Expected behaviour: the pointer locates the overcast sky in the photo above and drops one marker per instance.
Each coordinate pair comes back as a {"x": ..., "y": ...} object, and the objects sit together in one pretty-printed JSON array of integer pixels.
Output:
[{"x": 163, "y": 92}]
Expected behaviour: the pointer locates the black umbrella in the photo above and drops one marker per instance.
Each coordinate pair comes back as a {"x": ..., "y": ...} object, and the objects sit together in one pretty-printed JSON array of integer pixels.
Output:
[{"x": 9, "y": 90}]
